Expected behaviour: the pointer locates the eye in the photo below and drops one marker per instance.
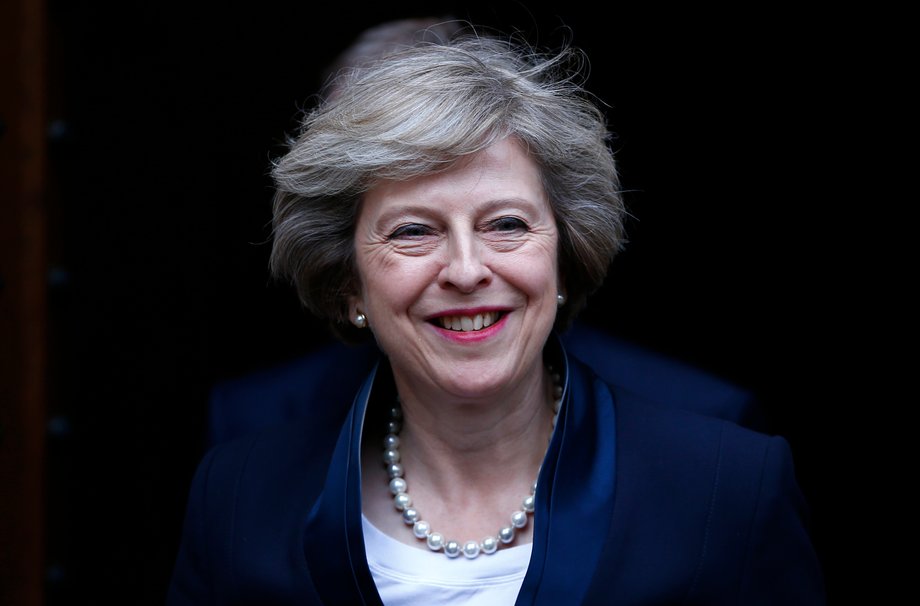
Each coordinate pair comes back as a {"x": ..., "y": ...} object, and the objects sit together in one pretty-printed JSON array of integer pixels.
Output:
[
  {"x": 508, "y": 224},
  {"x": 411, "y": 230}
]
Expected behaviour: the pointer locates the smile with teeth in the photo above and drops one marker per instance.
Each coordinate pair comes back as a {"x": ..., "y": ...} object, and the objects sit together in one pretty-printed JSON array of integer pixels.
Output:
[{"x": 469, "y": 323}]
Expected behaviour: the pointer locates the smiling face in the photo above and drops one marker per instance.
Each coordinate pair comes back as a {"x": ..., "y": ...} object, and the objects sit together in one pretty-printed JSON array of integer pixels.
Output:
[{"x": 459, "y": 275}]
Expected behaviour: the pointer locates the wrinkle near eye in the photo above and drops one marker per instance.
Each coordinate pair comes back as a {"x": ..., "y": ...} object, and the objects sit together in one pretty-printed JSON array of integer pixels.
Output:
[{"x": 416, "y": 248}]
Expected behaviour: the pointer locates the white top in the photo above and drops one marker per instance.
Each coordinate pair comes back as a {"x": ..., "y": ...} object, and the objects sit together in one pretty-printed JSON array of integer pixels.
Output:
[{"x": 409, "y": 575}]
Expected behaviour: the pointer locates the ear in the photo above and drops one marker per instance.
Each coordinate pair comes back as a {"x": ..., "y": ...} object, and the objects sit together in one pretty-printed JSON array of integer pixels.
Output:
[{"x": 355, "y": 307}]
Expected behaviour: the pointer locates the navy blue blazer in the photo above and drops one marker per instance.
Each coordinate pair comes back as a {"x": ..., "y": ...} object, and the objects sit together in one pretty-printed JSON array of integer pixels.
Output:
[
  {"x": 636, "y": 504},
  {"x": 332, "y": 373}
]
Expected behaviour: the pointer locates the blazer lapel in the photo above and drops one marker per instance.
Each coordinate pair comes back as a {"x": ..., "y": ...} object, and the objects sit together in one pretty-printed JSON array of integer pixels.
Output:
[
  {"x": 333, "y": 541},
  {"x": 575, "y": 492}
]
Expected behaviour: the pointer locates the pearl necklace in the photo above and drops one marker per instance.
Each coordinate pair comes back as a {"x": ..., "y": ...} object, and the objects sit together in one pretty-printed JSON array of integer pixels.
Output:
[{"x": 422, "y": 529}]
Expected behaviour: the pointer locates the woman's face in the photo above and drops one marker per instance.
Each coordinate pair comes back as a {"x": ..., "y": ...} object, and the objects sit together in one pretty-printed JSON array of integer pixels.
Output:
[{"x": 458, "y": 273}]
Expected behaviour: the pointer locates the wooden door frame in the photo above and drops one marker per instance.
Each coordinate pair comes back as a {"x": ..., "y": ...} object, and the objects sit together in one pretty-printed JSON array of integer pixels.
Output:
[{"x": 23, "y": 300}]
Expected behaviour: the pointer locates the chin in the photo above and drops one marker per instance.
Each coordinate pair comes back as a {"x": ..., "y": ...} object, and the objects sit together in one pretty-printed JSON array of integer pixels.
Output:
[{"x": 479, "y": 381}]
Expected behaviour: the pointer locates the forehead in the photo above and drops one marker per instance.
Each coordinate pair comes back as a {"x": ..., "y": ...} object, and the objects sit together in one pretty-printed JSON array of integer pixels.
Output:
[{"x": 503, "y": 170}]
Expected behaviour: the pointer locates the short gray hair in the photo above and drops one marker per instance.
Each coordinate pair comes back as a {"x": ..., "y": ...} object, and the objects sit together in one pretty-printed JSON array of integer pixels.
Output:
[{"x": 418, "y": 111}]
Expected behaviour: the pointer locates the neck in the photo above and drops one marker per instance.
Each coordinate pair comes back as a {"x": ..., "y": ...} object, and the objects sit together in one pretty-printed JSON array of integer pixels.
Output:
[
  {"x": 449, "y": 442},
  {"x": 468, "y": 463}
]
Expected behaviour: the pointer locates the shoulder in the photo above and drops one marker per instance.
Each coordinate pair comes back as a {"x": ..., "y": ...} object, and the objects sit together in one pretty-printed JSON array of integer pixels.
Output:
[
  {"x": 714, "y": 460},
  {"x": 662, "y": 379},
  {"x": 713, "y": 504},
  {"x": 650, "y": 427},
  {"x": 247, "y": 502},
  {"x": 266, "y": 459},
  {"x": 647, "y": 420},
  {"x": 686, "y": 466},
  {"x": 319, "y": 386},
  {"x": 264, "y": 478},
  {"x": 668, "y": 457},
  {"x": 252, "y": 482},
  {"x": 717, "y": 505}
]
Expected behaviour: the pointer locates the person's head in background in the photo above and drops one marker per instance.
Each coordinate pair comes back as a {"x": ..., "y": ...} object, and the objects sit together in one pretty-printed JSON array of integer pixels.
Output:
[{"x": 379, "y": 40}]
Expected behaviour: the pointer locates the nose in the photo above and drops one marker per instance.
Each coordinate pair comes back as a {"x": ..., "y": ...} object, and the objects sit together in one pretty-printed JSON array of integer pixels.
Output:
[{"x": 465, "y": 268}]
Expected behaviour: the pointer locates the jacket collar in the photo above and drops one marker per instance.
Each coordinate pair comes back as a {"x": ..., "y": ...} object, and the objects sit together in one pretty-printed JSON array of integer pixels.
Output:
[{"x": 573, "y": 508}]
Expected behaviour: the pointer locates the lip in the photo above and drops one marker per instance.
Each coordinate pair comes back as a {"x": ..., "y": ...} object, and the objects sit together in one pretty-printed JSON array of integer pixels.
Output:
[{"x": 473, "y": 336}]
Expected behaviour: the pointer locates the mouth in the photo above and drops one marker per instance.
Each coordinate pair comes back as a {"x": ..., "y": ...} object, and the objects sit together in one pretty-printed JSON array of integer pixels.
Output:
[{"x": 469, "y": 322}]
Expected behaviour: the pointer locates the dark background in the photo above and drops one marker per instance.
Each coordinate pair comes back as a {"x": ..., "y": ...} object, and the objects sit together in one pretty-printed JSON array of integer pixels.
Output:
[{"x": 165, "y": 117}]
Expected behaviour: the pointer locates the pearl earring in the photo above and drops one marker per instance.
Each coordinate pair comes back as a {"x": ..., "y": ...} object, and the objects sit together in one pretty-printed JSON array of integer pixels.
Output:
[
  {"x": 361, "y": 320},
  {"x": 560, "y": 300}
]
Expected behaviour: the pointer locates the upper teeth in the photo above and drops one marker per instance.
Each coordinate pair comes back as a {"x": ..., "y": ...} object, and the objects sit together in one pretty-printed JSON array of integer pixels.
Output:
[{"x": 467, "y": 323}]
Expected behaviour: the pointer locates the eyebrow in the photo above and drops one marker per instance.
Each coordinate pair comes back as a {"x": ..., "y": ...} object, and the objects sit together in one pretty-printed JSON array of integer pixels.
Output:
[{"x": 432, "y": 212}]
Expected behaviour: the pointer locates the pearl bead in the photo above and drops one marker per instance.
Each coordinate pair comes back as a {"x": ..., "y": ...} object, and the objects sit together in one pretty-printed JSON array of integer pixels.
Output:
[
  {"x": 489, "y": 545},
  {"x": 390, "y": 456},
  {"x": 410, "y": 516},
  {"x": 557, "y": 391},
  {"x": 527, "y": 504},
  {"x": 402, "y": 500},
  {"x": 393, "y": 426},
  {"x": 506, "y": 534},
  {"x": 395, "y": 470},
  {"x": 396, "y": 413},
  {"x": 519, "y": 519},
  {"x": 391, "y": 442},
  {"x": 471, "y": 549},
  {"x": 435, "y": 541},
  {"x": 452, "y": 549},
  {"x": 421, "y": 529},
  {"x": 398, "y": 485}
]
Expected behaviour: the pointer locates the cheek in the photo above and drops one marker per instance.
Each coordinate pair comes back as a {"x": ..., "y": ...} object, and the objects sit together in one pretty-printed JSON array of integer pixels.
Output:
[
  {"x": 536, "y": 272},
  {"x": 381, "y": 295},
  {"x": 393, "y": 285}
]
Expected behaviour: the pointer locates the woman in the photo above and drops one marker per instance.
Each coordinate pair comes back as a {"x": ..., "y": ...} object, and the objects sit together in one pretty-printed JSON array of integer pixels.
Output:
[{"x": 458, "y": 203}]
